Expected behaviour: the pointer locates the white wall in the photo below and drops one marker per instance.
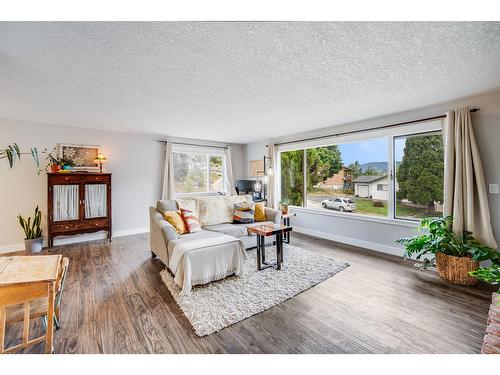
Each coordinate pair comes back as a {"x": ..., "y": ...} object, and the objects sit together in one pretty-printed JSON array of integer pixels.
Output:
[
  {"x": 135, "y": 160},
  {"x": 379, "y": 235}
]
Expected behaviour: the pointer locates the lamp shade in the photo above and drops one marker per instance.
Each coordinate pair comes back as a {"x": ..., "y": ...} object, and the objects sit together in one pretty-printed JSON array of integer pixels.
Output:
[
  {"x": 100, "y": 158},
  {"x": 257, "y": 187}
]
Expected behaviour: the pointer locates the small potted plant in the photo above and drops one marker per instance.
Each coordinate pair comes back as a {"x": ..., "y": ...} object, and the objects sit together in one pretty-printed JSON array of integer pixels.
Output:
[
  {"x": 455, "y": 256},
  {"x": 284, "y": 203},
  {"x": 54, "y": 161},
  {"x": 57, "y": 163},
  {"x": 33, "y": 232},
  {"x": 67, "y": 163}
]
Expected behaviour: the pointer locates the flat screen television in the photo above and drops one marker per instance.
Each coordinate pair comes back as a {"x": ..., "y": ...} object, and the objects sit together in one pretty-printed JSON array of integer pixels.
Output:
[{"x": 245, "y": 186}]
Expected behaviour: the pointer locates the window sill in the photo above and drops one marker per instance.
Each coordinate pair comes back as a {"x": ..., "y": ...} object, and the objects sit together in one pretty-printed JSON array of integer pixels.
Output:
[
  {"x": 191, "y": 195},
  {"x": 353, "y": 216}
]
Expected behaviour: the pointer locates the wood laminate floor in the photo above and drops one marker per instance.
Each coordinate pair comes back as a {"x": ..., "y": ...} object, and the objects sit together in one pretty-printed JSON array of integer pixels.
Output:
[{"x": 115, "y": 302}]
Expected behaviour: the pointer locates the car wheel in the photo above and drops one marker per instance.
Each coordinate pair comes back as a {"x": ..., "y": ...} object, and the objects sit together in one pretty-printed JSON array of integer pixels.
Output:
[
  {"x": 341, "y": 209},
  {"x": 323, "y": 204}
]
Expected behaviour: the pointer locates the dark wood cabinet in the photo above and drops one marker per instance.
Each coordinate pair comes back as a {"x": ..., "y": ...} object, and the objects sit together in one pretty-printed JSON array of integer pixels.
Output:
[{"x": 78, "y": 202}]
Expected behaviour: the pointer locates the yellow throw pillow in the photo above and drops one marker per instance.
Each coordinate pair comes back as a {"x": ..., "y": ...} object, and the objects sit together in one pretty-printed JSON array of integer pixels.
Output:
[
  {"x": 260, "y": 213},
  {"x": 175, "y": 219}
]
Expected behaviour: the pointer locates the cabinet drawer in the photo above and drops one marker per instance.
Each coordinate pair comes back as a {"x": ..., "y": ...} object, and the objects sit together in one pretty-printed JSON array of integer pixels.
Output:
[
  {"x": 61, "y": 179},
  {"x": 94, "y": 223},
  {"x": 77, "y": 225}
]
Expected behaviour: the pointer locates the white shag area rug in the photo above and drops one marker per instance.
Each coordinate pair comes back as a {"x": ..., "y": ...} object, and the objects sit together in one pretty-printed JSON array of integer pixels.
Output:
[{"x": 217, "y": 305}]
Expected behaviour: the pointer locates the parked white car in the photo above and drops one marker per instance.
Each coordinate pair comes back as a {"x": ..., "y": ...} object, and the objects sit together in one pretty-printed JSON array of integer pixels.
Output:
[{"x": 339, "y": 204}]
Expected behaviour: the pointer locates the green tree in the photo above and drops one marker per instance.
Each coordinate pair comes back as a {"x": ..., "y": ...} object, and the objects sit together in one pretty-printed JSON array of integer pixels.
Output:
[
  {"x": 356, "y": 169},
  {"x": 292, "y": 176},
  {"x": 322, "y": 163},
  {"x": 421, "y": 172},
  {"x": 371, "y": 171}
]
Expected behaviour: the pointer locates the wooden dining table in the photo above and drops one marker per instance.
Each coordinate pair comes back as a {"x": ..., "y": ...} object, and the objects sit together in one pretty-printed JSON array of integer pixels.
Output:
[{"x": 25, "y": 279}]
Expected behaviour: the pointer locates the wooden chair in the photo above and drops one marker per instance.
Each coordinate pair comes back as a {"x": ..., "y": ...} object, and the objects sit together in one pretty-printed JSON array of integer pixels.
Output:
[{"x": 35, "y": 307}]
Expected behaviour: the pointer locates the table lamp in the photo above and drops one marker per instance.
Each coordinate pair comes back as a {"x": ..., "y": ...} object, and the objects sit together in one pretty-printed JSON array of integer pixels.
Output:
[{"x": 100, "y": 159}]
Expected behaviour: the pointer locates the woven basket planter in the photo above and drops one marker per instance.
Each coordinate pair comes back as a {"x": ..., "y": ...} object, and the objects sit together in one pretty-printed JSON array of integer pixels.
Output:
[{"x": 456, "y": 269}]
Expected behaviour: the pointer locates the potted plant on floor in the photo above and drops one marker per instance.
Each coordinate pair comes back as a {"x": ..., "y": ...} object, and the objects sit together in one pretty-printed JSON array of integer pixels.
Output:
[
  {"x": 284, "y": 203},
  {"x": 454, "y": 255},
  {"x": 33, "y": 240}
]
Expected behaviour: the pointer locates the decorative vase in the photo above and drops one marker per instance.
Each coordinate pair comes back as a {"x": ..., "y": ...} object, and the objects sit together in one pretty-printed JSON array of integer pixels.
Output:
[
  {"x": 34, "y": 245},
  {"x": 284, "y": 209},
  {"x": 55, "y": 168},
  {"x": 456, "y": 269}
]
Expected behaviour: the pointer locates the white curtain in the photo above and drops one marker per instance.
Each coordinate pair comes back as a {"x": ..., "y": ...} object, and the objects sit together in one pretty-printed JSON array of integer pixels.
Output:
[
  {"x": 273, "y": 184},
  {"x": 168, "y": 174},
  {"x": 95, "y": 200},
  {"x": 229, "y": 171},
  {"x": 464, "y": 185},
  {"x": 66, "y": 202}
]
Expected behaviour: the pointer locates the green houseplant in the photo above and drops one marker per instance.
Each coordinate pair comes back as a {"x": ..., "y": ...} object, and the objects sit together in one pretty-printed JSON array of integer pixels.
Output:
[
  {"x": 33, "y": 240},
  {"x": 13, "y": 152},
  {"x": 454, "y": 255},
  {"x": 57, "y": 163}
]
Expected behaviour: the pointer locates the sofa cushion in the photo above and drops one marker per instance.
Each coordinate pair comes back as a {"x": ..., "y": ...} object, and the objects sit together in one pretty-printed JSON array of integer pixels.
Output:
[
  {"x": 260, "y": 212},
  {"x": 213, "y": 210},
  {"x": 188, "y": 204},
  {"x": 234, "y": 230},
  {"x": 176, "y": 220},
  {"x": 243, "y": 213},
  {"x": 163, "y": 206},
  {"x": 191, "y": 221}
]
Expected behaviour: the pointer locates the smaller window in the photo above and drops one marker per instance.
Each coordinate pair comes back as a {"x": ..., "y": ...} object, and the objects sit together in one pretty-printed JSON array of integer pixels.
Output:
[{"x": 382, "y": 187}]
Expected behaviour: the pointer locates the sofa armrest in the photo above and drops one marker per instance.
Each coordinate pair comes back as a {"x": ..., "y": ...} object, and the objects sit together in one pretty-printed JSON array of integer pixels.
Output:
[
  {"x": 161, "y": 233},
  {"x": 273, "y": 215}
]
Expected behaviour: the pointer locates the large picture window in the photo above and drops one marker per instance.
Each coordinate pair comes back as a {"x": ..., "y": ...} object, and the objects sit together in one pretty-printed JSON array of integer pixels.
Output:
[
  {"x": 198, "y": 172},
  {"x": 394, "y": 175}
]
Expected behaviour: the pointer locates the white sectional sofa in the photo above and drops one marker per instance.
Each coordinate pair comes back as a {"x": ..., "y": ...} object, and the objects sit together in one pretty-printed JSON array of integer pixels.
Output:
[{"x": 217, "y": 251}]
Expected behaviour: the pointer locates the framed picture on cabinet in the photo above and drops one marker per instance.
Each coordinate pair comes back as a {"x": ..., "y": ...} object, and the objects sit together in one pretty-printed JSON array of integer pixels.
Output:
[{"x": 83, "y": 156}]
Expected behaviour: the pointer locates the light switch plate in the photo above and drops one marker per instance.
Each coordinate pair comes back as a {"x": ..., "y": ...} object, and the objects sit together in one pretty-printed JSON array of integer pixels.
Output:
[{"x": 493, "y": 188}]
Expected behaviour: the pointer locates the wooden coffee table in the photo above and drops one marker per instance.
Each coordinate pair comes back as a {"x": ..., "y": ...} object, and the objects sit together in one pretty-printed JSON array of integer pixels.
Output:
[{"x": 266, "y": 230}]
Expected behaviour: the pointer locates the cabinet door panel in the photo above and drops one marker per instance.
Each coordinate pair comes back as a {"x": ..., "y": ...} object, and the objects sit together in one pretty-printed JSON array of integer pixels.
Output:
[
  {"x": 66, "y": 202},
  {"x": 96, "y": 200}
]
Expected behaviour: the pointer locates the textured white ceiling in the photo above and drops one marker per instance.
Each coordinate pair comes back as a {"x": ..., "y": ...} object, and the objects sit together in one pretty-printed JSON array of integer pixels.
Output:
[{"x": 238, "y": 81}]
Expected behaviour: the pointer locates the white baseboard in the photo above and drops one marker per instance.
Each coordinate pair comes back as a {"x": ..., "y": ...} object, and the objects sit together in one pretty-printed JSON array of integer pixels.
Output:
[
  {"x": 393, "y": 250},
  {"x": 64, "y": 240}
]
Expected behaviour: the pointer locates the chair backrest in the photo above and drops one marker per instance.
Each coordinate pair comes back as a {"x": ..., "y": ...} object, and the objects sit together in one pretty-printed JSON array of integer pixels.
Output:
[{"x": 62, "y": 279}]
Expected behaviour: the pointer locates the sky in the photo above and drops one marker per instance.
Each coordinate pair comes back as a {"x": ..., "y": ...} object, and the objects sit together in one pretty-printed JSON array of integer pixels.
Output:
[{"x": 369, "y": 151}]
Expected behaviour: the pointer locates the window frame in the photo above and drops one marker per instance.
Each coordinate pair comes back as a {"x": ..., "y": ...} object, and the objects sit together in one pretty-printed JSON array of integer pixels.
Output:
[
  {"x": 208, "y": 153},
  {"x": 420, "y": 128}
]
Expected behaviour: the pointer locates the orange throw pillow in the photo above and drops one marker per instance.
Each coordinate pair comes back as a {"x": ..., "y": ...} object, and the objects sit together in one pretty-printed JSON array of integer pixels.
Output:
[
  {"x": 190, "y": 220},
  {"x": 176, "y": 220},
  {"x": 260, "y": 212}
]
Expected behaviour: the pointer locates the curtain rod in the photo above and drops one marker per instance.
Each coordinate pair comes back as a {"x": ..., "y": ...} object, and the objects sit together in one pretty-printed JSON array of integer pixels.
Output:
[
  {"x": 365, "y": 130},
  {"x": 193, "y": 144}
]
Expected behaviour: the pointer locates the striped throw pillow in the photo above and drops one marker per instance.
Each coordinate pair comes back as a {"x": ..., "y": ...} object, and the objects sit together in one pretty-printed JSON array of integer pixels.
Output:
[
  {"x": 243, "y": 213},
  {"x": 191, "y": 221}
]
